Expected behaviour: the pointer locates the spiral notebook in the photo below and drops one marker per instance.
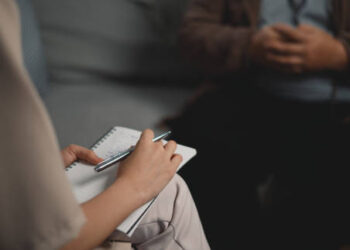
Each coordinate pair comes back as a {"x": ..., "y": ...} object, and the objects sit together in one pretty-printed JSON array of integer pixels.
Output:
[{"x": 87, "y": 183}]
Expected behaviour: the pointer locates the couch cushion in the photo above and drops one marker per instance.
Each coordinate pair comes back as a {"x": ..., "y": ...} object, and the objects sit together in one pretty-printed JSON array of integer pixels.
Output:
[
  {"x": 83, "y": 110},
  {"x": 124, "y": 38},
  {"x": 32, "y": 46}
]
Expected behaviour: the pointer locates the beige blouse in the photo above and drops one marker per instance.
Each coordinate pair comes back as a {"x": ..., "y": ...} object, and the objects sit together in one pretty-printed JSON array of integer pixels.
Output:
[{"x": 37, "y": 208}]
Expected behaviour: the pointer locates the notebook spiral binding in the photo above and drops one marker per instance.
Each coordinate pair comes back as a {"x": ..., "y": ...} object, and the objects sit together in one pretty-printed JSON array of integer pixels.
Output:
[{"x": 95, "y": 145}]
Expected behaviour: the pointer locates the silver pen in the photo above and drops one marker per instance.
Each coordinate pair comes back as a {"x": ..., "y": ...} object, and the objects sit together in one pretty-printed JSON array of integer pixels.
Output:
[{"x": 113, "y": 159}]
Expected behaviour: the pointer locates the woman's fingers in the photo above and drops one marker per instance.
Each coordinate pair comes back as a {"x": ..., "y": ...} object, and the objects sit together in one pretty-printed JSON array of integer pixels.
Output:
[
  {"x": 170, "y": 147},
  {"x": 150, "y": 167},
  {"x": 176, "y": 160},
  {"x": 84, "y": 154},
  {"x": 146, "y": 136}
]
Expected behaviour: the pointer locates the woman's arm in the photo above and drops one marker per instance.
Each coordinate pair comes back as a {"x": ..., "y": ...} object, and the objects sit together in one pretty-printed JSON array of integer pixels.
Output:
[
  {"x": 140, "y": 178},
  {"x": 104, "y": 213}
]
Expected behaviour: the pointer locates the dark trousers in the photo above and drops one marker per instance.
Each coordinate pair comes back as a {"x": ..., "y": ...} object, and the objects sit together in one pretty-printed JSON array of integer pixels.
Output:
[{"x": 244, "y": 136}]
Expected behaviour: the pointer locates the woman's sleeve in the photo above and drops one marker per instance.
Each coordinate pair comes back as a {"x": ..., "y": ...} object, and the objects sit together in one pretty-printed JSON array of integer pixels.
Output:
[{"x": 37, "y": 207}]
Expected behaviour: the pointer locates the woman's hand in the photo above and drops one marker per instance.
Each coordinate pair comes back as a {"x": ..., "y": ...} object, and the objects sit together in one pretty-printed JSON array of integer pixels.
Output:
[
  {"x": 73, "y": 153},
  {"x": 140, "y": 178},
  {"x": 149, "y": 168}
]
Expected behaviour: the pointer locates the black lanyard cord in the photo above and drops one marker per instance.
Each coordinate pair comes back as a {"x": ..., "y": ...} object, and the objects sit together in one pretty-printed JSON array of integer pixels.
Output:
[{"x": 296, "y": 6}]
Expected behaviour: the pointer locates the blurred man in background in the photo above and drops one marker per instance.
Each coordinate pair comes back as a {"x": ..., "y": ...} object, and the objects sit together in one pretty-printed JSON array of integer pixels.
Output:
[{"x": 271, "y": 126}]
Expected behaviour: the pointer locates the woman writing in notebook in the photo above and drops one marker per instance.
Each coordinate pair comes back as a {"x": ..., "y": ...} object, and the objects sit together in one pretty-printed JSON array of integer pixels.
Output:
[
  {"x": 140, "y": 178},
  {"x": 37, "y": 207}
]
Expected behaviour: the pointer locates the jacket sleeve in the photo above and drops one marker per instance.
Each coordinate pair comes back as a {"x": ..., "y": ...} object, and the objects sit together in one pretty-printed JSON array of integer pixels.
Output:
[
  {"x": 341, "y": 22},
  {"x": 344, "y": 37},
  {"x": 212, "y": 44}
]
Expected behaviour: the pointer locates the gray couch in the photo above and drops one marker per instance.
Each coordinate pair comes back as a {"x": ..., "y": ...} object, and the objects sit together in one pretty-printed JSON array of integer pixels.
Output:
[{"x": 105, "y": 63}]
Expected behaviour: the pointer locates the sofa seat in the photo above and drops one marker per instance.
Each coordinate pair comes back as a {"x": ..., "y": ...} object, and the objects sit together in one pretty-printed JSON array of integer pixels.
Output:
[{"x": 82, "y": 110}]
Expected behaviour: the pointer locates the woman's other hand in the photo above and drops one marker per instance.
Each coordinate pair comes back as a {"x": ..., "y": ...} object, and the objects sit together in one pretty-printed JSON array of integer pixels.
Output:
[
  {"x": 149, "y": 168},
  {"x": 73, "y": 153}
]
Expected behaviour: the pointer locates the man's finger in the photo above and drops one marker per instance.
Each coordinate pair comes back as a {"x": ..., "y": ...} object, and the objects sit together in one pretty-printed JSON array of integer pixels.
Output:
[
  {"x": 307, "y": 28},
  {"x": 285, "y": 59},
  {"x": 286, "y": 48},
  {"x": 289, "y": 32},
  {"x": 287, "y": 64}
]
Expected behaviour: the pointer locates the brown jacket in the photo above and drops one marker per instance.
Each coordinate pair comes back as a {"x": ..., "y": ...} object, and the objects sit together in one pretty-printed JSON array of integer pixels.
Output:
[{"x": 216, "y": 34}]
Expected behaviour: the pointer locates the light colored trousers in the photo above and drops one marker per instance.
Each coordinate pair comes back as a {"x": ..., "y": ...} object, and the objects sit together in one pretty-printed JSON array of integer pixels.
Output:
[{"x": 172, "y": 223}]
